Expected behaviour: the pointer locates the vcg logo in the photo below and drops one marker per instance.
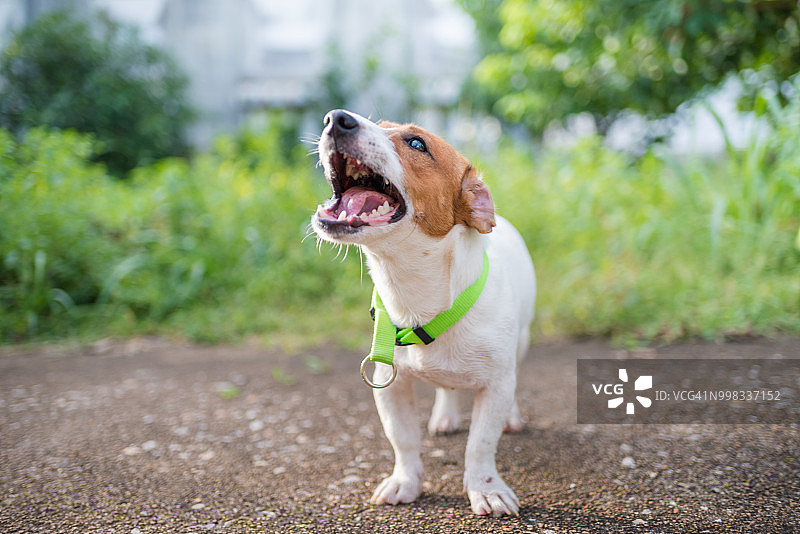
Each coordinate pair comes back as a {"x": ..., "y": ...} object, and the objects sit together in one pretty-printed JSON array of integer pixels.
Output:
[{"x": 642, "y": 383}]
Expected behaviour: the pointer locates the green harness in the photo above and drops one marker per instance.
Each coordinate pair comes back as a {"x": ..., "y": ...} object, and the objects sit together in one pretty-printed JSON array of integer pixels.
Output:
[{"x": 386, "y": 335}]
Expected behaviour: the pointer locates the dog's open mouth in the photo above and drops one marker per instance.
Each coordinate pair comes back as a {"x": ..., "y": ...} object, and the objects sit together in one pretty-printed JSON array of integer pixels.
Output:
[{"x": 361, "y": 197}]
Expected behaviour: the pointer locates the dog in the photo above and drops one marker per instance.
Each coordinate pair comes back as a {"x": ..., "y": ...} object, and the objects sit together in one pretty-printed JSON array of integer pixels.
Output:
[{"x": 425, "y": 219}]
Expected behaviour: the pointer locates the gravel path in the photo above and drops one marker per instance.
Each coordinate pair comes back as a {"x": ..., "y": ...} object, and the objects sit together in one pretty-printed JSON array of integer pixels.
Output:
[{"x": 143, "y": 437}]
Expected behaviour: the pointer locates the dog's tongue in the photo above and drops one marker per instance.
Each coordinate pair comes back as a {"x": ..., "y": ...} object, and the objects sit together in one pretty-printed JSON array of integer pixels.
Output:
[{"x": 358, "y": 200}]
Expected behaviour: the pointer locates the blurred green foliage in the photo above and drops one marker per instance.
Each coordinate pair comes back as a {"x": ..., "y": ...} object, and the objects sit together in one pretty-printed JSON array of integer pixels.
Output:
[
  {"x": 218, "y": 248},
  {"x": 213, "y": 248},
  {"x": 95, "y": 76},
  {"x": 549, "y": 59},
  {"x": 664, "y": 246}
]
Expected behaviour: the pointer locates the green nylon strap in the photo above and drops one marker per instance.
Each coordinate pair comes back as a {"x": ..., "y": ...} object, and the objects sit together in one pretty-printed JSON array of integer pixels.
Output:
[
  {"x": 383, "y": 335},
  {"x": 386, "y": 335}
]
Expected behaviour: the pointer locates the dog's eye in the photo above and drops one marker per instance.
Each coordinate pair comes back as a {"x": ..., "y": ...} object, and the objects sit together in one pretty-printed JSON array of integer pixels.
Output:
[{"x": 417, "y": 144}]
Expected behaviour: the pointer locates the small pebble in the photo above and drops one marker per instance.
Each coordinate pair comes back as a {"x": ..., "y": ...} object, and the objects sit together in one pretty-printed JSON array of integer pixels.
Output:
[
  {"x": 133, "y": 450},
  {"x": 628, "y": 462},
  {"x": 256, "y": 425}
]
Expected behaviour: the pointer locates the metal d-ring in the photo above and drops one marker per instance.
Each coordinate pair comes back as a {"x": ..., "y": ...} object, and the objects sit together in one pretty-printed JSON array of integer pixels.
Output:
[{"x": 372, "y": 384}]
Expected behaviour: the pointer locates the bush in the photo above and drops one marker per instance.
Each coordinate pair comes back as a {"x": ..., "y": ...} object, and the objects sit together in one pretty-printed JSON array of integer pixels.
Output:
[
  {"x": 214, "y": 247},
  {"x": 95, "y": 76},
  {"x": 48, "y": 239},
  {"x": 662, "y": 247}
]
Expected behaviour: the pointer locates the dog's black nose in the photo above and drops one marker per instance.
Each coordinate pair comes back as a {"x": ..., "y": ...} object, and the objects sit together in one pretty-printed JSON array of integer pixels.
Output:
[{"x": 342, "y": 121}]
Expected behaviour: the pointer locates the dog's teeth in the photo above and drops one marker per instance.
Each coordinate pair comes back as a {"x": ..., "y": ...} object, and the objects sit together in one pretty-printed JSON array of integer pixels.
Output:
[
  {"x": 384, "y": 209},
  {"x": 374, "y": 213},
  {"x": 342, "y": 215}
]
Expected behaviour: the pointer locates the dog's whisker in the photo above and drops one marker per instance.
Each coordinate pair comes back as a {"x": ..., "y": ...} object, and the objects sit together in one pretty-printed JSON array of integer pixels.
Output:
[
  {"x": 309, "y": 233},
  {"x": 310, "y": 139},
  {"x": 341, "y": 253}
]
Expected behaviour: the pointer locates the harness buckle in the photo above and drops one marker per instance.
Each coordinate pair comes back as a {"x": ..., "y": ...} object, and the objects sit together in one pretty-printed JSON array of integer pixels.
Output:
[{"x": 423, "y": 335}]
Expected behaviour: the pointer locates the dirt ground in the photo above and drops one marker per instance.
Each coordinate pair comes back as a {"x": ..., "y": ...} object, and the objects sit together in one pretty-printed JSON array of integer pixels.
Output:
[{"x": 143, "y": 436}]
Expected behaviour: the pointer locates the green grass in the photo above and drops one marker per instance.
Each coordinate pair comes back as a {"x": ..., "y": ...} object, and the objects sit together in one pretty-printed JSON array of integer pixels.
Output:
[{"x": 216, "y": 250}]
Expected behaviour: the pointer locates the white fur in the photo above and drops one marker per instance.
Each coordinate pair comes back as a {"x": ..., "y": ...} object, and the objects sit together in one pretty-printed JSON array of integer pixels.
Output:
[{"x": 418, "y": 277}]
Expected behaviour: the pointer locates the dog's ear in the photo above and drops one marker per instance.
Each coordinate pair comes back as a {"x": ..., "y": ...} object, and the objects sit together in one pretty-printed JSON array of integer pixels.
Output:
[{"x": 476, "y": 208}]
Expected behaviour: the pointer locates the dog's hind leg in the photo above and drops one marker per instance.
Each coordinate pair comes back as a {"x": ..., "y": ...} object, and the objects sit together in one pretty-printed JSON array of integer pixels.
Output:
[
  {"x": 445, "y": 418},
  {"x": 514, "y": 422}
]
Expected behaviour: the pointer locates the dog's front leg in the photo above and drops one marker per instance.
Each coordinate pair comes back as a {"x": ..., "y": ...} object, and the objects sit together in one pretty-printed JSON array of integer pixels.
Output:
[
  {"x": 487, "y": 492},
  {"x": 396, "y": 408}
]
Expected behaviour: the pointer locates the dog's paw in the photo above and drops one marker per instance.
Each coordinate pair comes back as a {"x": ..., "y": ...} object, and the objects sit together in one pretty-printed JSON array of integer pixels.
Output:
[
  {"x": 492, "y": 496},
  {"x": 513, "y": 425},
  {"x": 445, "y": 418},
  {"x": 514, "y": 421},
  {"x": 443, "y": 423},
  {"x": 396, "y": 490}
]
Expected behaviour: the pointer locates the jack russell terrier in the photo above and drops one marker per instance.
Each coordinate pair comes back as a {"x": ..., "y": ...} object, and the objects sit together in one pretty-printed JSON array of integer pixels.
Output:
[{"x": 426, "y": 224}]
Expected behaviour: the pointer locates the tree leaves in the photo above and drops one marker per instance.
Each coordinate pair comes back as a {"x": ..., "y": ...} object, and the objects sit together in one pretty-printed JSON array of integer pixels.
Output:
[
  {"x": 95, "y": 76},
  {"x": 550, "y": 59}
]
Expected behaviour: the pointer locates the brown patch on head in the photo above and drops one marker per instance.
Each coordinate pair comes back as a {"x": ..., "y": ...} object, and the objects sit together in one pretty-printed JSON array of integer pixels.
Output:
[{"x": 443, "y": 187}]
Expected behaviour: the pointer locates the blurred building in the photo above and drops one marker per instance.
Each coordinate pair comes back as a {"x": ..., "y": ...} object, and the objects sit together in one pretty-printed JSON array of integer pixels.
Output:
[{"x": 397, "y": 59}]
